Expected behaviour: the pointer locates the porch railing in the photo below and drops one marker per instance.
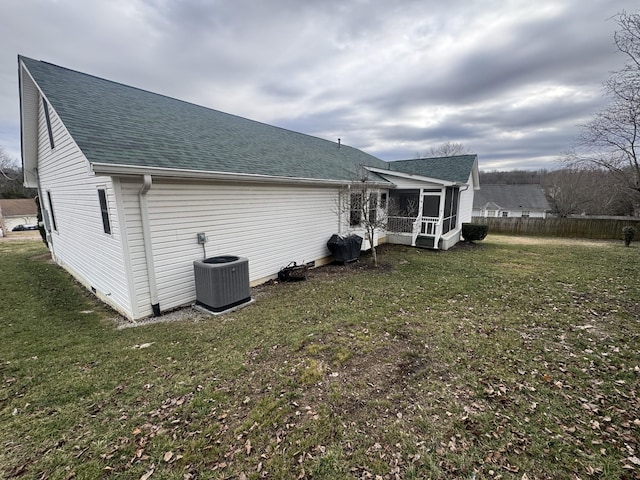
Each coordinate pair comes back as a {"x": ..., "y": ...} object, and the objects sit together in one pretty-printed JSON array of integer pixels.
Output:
[
  {"x": 400, "y": 224},
  {"x": 427, "y": 226}
]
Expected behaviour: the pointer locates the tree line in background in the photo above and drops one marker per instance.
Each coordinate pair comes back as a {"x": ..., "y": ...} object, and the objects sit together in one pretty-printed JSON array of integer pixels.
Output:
[
  {"x": 572, "y": 190},
  {"x": 11, "y": 179}
]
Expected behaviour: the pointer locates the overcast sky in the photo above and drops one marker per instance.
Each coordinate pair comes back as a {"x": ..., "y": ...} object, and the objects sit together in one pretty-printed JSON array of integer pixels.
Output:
[{"x": 511, "y": 80}]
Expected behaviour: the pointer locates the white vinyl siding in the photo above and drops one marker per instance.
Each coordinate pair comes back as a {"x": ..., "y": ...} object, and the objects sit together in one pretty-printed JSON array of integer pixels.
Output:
[
  {"x": 78, "y": 243},
  {"x": 465, "y": 206},
  {"x": 270, "y": 225}
]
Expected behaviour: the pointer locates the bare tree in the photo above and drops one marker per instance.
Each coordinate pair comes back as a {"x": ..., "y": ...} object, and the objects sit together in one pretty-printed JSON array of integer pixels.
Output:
[
  {"x": 611, "y": 139},
  {"x": 11, "y": 179},
  {"x": 364, "y": 206},
  {"x": 7, "y": 166},
  {"x": 447, "y": 149}
]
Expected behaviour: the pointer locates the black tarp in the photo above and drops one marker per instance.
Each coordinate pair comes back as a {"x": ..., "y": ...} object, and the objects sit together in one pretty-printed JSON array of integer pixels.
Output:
[{"x": 345, "y": 249}]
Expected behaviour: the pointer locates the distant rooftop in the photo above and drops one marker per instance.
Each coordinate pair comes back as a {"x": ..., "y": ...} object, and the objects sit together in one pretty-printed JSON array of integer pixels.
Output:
[{"x": 511, "y": 197}]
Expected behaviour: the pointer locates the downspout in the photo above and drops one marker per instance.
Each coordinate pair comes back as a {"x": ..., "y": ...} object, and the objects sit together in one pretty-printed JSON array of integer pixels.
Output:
[{"x": 148, "y": 244}]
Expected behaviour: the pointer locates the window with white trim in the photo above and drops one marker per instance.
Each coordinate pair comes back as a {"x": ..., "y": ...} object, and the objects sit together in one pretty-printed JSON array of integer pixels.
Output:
[
  {"x": 355, "y": 209},
  {"x": 104, "y": 210}
]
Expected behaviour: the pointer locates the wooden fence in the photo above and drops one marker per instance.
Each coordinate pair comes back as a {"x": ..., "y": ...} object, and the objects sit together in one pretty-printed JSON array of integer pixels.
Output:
[{"x": 574, "y": 227}]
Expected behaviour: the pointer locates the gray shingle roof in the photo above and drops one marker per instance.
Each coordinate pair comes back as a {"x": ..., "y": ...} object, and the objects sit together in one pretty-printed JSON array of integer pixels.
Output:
[
  {"x": 454, "y": 169},
  {"x": 117, "y": 124},
  {"x": 512, "y": 197}
]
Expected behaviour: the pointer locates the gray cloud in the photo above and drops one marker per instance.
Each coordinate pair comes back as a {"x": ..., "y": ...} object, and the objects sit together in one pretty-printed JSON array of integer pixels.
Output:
[{"x": 509, "y": 80}]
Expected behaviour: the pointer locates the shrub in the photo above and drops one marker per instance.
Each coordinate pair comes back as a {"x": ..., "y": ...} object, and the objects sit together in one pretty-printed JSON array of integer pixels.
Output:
[
  {"x": 628, "y": 232},
  {"x": 472, "y": 232}
]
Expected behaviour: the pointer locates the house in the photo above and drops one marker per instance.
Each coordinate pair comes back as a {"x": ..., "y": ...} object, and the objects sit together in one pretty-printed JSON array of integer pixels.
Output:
[
  {"x": 130, "y": 181},
  {"x": 17, "y": 211},
  {"x": 505, "y": 201}
]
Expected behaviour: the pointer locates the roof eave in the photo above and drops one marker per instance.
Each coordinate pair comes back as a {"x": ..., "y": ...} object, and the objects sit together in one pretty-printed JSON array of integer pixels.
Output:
[
  {"x": 420, "y": 178},
  {"x": 132, "y": 170},
  {"x": 28, "y": 130}
]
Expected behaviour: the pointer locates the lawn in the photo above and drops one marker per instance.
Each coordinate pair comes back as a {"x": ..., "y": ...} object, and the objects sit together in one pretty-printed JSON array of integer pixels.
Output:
[{"x": 511, "y": 359}]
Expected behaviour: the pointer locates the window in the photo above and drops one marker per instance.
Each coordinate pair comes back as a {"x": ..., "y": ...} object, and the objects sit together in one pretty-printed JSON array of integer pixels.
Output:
[
  {"x": 104, "y": 209},
  {"x": 505, "y": 214},
  {"x": 491, "y": 213},
  {"x": 373, "y": 208},
  {"x": 383, "y": 201},
  {"x": 525, "y": 214},
  {"x": 51, "y": 213},
  {"x": 47, "y": 119},
  {"x": 355, "y": 209}
]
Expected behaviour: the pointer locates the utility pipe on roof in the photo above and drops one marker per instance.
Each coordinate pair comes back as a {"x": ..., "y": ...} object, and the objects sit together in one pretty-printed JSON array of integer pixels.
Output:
[{"x": 147, "y": 182}]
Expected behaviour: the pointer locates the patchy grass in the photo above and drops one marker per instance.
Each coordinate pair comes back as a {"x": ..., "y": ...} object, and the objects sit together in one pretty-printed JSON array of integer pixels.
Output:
[{"x": 510, "y": 359}]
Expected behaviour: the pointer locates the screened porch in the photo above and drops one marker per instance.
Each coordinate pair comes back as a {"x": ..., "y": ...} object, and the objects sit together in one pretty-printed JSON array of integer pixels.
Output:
[{"x": 423, "y": 217}]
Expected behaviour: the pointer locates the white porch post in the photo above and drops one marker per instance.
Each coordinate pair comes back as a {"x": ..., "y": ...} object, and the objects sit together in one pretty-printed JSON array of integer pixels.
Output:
[
  {"x": 417, "y": 225},
  {"x": 436, "y": 240}
]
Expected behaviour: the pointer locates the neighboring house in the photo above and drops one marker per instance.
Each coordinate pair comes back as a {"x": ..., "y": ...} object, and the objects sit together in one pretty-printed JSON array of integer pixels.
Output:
[
  {"x": 129, "y": 178},
  {"x": 17, "y": 211},
  {"x": 506, "y": 201}
]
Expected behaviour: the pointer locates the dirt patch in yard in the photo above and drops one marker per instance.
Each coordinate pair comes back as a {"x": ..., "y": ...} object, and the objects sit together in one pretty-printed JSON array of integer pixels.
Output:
[{"x": 515, "y": 240}]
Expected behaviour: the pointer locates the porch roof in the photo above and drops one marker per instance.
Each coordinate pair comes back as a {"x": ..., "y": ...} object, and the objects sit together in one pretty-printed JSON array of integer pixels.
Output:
[{"x": 456, "y": 169}]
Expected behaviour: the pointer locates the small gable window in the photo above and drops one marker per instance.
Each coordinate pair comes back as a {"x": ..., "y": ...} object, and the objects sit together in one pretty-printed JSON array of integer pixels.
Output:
[
  {"x": 47, "y": 119},
  {"x": 104, "y": 209}
]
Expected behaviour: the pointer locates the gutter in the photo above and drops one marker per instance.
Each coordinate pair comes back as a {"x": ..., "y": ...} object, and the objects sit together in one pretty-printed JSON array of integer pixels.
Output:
[
  {"x": 148, "y": 243},
  {"x": 131, "y": 170}
]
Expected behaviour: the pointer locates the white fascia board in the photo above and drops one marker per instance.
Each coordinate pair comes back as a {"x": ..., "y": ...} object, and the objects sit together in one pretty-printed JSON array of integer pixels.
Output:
[
  {"x": 28, "y": 130},
  {"x": 132, "y": 170},
  {"x": 419, "y": 178}
]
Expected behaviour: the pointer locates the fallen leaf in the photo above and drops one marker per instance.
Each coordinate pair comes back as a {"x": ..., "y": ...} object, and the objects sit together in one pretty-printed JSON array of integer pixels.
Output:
[
  {"x": 168, "y": 456},
  {"x": 149, "y": 473}
]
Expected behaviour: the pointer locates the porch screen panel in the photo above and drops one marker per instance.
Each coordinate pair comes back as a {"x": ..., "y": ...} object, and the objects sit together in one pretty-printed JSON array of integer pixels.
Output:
[
  {"x": 451, "y": 201},
  {"x": 404, "y": 203},
  {"x": 431, "y": 206}
]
